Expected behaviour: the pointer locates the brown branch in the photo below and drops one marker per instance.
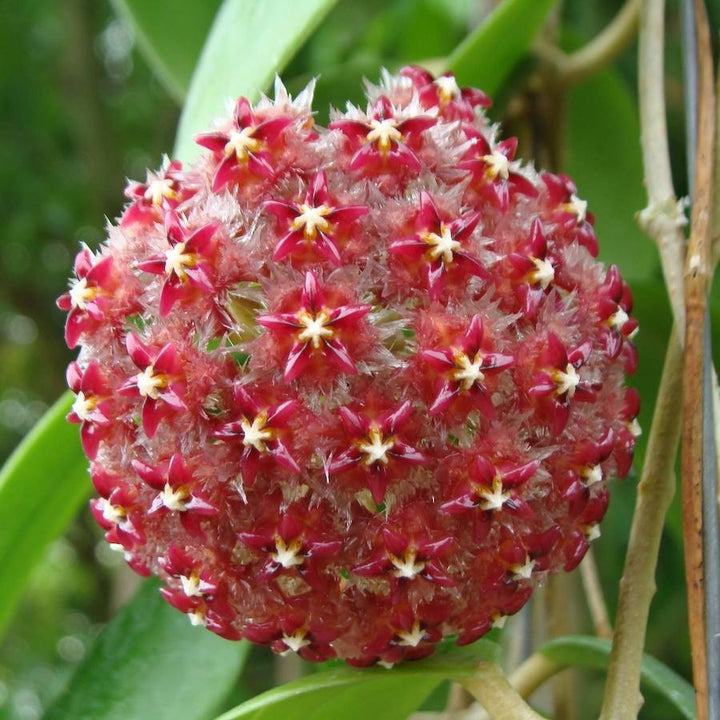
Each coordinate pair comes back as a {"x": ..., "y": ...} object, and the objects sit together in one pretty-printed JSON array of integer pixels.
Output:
[{"x": 697, "y": 273}]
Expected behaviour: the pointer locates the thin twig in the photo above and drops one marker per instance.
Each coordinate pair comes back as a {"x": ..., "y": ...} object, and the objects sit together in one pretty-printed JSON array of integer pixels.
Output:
[
  {"x": 655, "y": 491},
  {"x": 533, "y": 673},
  {"x": 494, "y": 692},
  {"x": 697, "y": 272},
  {"x": 594, "y": 595},
  {"x": 600, "y": 51},
  {"x": 663, "y": 218}
]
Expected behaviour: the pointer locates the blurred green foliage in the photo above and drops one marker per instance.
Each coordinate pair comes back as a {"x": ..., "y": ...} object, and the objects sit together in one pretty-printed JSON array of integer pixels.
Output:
[{"x": 82, "y": 111}]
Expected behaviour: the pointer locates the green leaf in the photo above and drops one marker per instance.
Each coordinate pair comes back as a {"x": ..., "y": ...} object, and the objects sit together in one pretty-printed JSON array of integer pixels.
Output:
[
  {"x": 604, "y": 159},
  {"x": 42, "y": 485},
  {"x": 591, "y": 652},
  {"x": 149, "y": 663},
  {"x": 170, "y": 35},
  {"x": 375, "y": 693},
  {"x": 250, "y": 41},
  {"x": 489, "y": 54}
]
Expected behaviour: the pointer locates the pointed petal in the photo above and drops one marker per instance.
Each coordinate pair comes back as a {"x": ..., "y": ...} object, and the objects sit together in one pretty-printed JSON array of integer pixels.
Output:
[
  {"x": 297, "y": 360},
  {"x": 340, "y": 356}
]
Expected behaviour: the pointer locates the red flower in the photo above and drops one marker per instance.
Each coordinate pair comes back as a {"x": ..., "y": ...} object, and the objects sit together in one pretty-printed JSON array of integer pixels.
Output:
[
  {"x": 614, "y": 307},
  {"x": 437, "y": 248},
  {"x": 161, "y": 192},
  {"x": 495, "y": 174},
  {"x": 383, "y": 141},
  {"x": 160, "y": 383},
  {"x": 88, "y": 297},
  {"x": 187, "y": 265},
  {"x": 317, "y": 331},
  {"x": 178, "y": 492},
  {"x": 92, "y": 407},
  {"x": 246, "y": 147},
  {"x": 259, "y": 429},
  {"x": 374, "y": 449},
  {"x": 629, "y": 433},
  {"x": 315, "y": 224},
  {"x": 464, "y": 366},
  {"x": 194, "y": 581},
  {"x": 567, "y": 209}
]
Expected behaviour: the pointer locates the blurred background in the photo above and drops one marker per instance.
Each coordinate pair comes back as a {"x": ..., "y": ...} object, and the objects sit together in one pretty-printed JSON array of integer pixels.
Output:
[{"x": 82, "y": 112}]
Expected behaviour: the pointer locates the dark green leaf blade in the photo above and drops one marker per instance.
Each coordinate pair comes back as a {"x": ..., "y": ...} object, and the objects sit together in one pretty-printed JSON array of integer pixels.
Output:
[
  {"x": 170, "y": 36},
  {"x": 591, "y": 652},
  {"x": 149, "y": 663},
  {"x": 42, "y": 485},
  {"x": 250, "y": 41},
  {"x": 375, "y": 693},
  {"x": 488, "y": 55}
]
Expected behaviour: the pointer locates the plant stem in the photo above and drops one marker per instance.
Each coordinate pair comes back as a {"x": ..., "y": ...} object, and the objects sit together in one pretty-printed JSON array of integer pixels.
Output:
[
  {"x": 494, "y": 692},
  {"x": 533, "y": 673},
  {"x": 697, "y": 273},
  {"x": 655, "y": 491},
  {"x": 600, "y": 51},
  {"x": 663, "y": 218},
  {"x": 594, "y": 594}
]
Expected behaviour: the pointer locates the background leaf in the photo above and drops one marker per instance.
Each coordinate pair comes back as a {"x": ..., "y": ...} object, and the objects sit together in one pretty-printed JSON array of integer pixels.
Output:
[
  {"x": 360, "y": 694},
  {"x": 591, "y": 652},
  {"x": 149, "y": 663},
  {"x": 489, "y": 54},
  {"x": 42, "y": 485},
  {"x": 250, "y": 41},
  {"x": 170, "y": 36}
]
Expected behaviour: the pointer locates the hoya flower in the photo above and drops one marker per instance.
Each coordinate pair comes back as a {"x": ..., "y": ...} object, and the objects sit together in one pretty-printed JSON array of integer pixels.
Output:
[{"x": 350, "y": 390}]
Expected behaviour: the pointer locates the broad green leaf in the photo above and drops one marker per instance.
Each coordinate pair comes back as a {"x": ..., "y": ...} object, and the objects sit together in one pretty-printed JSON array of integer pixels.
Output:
[
  {"x": 149, "y": 663},
  {"x": 488, "y": 55},
  {"x": 42, "y": 485},
  {"x": 604, "y": 159},
  {"x": 591, "y": 652},
  {"x": 375, "y": 693},
  {"x": 170, "y": 34},
  {"x": 250, "y": 41}
]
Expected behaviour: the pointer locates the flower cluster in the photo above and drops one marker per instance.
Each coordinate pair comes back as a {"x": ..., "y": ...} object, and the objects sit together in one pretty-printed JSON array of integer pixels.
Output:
[{"x": 350, "y": 390}]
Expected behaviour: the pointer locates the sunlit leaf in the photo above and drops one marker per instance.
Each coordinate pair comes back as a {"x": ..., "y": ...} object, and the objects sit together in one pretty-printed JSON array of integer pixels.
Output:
[
  {"x": 488, "y": 55},
  {"x": 592, "y": 652},
  {"x": 360, "y": 694},
  {"x": 250, "y": 41},
  {"x": 42, "y": 485},
  {"x": 149, "y": 663},
  {"x": 170, "y": 35}
]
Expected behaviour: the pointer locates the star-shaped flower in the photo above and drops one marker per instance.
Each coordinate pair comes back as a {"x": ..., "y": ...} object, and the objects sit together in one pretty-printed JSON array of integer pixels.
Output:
[
  {"x": 89, "y": 296},
  {"x": 570, "y": 211},
  {"x": 463, "y": 369},
  {"x": 194, "y": 581},
  {"x": 614, "y": 306},
  {"x": 627, "y": 436},
  {"x": 92, "y": 407},
  {"x": 496, "y": 175},
  {"x": 161, "y": 192},
  {"x": 559, "y": 382},
  {"x": 438, "y": 249},
  {"x": 317, "y": 331},
  {"x": 160, "y": 383},
  {"x": 246, "y": 147},
  {"x": 314, "y": 225},
  {"x": 384, "y": 141},
  {"x": 186, "y": 264},
  {"x": 260, "y": 430},
  {"x": 374, "y": 449}
]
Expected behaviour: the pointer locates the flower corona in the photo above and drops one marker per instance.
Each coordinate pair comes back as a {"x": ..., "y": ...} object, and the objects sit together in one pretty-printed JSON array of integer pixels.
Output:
[{"x": 351, "y": 390}]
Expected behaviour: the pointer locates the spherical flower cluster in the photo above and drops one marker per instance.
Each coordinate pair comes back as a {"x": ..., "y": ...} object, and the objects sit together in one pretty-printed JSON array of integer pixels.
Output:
[{"x": 350, "y": 390}]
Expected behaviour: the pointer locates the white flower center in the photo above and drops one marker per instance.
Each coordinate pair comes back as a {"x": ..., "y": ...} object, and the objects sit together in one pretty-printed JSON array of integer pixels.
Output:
[
  {"x": 443, "y": 245},
  {"x": 448, "y": 89},
  {"x": 176, "y": 260},
  {"x": 197, "y": 617},
  {"x": 81, "y": 294},
  {"x": 255, "y": 434},
  {"x": 593, "y": 474},
  {"x": 384, "y": 133},
  {"x": 113, "y": 513},
  {"x": 191, "y": 585},
  {"x": 543, "y": 274},
  {"x": 495, "y": 498},
  {"x": 296, "y": 641},
  {"x": 315, "y": 327},
  {"x": 497, "y": 165},
  {"x": 618, "y": 319},
  {"x": 84, "y": 406},
  {"x": 377, "y": 449},
  {"x": 412, "y": 638},
  {"x": 469, "y": 371},
  {"x": 634, "y": 428},
  {"x": 158, "y": 189},
  {"x": 577, "y": 207},
  {"x": 242, "y": 143},
  {"x": 287, "y": 554},
  {"x": 174, "y": 498},
  {"x": 407, "y": 566},
  {"x": 523, "y": 572},
  {"x": 149, "y": 384},
  {"x": 567, "y": 381},
  {"x": 311, "y": 219},
  {"x": 592, "y": 532}
]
